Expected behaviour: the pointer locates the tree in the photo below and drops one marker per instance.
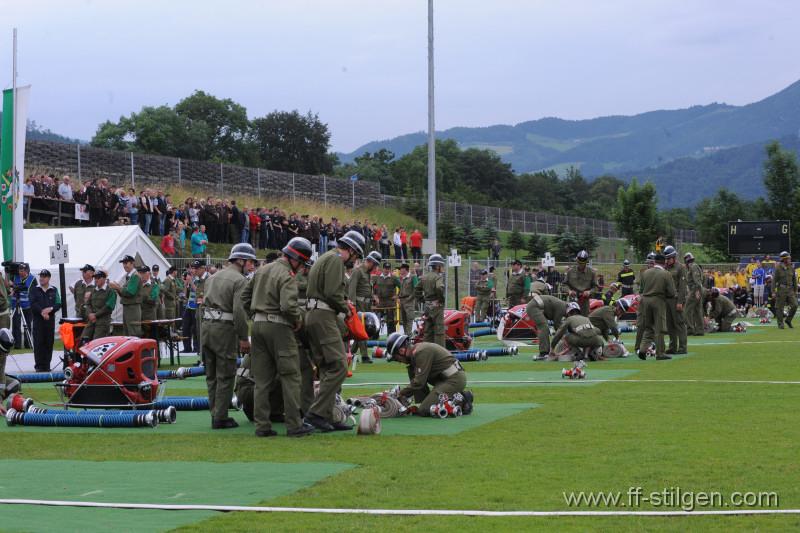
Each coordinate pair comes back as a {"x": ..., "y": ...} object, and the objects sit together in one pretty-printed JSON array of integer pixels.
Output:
[
  {"x": 469, "y": 240},
  {"x": 293, "y": 142},
  {"x": 782, "y": 180},
  {"x": 636, "y": 216},
  {"x": 566, "y": 245},
  {"x": 516, "y": 242},
  {"x": 488, "y": 233},
  {"x": 445, "y": 230},
  {"x": 224, "y": 127},
  {"x": 713, "y": 215},
  {"x": 536, "y": 247},
  {"x": 588, "y": 241}
]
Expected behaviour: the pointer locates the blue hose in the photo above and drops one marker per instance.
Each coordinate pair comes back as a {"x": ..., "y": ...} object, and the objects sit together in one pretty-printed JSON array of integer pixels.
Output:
[
  {"x": 39, "y": 377},
  {"x": 182, "y": 372},
  {"x": 185, "y": 403},
  {"x": 166, "y": 416},
  {"x": 371, "y": 344},
  {"x": 483, "y": 324},
  {"x": 125, "y": 420},
  {"x": 476, "y": 355},
  {"x": 482, "y": 332}
]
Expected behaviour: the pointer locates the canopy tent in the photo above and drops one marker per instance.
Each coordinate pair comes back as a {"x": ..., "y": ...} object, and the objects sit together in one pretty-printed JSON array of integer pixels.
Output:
[{"x": 96, "y": 246}]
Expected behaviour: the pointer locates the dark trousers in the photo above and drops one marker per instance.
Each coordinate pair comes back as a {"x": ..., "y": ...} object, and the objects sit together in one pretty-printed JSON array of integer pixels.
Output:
[
  {"x": 43, "y": 334},
  {"x": 189, "y": 330},
  {"x": 17, "y": 328}
]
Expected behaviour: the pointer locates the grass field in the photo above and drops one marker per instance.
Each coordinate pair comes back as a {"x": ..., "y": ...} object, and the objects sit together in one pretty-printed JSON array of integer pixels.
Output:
[{"x": 696, "y": 433}]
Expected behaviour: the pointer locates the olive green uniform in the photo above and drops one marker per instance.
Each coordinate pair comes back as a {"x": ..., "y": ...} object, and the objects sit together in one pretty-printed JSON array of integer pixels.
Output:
[
  {"x": 131, "y": 300},
  {"x": 359, "y": 292},
  {"x": 724, "y": 312},
  {"x": 160, "y": 303},
  {"x": 785, "y": 282},
  {"x": 539, "y": 287},
  {"x": 407, "y": 302},
  {"x": 433, "y": 365},
  {"x": 693, "y": 312},
  {"x": 326, "y": 299},
  {"x": 483, "y": 292},
  {"x": 542, "y": 308},
  {"x": 430, "y": 292},
  {"x": 271, "y": 296},
  {"x": 169, "y": 293},
  {"x": 579, "y": 333},
  {"x": 515, "y": 289},
  {"x": 605, "y": 319},
  {"x": 101, "y": 303},
  {"x": 580, "y": 281},
  {"x": 386, "y": 290},
  {"x": 5, "y": 322},
  {"x": 150, "y": 299},
  {"x": 676, "y": 323},
  {"x": 657, "y": 286},
  {"x": 306, "y": 366},
  {"x": 224, "y": 325},
  {"x": 79, "y": 293}
]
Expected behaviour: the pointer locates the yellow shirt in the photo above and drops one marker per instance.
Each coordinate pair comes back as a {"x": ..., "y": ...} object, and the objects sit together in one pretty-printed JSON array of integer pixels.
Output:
[
  {"x": 750, "y": 268},
  {"x": 719, "y": 280},
  {"x": 730, "y": 280},
  {"x": 741, "y": 279}
]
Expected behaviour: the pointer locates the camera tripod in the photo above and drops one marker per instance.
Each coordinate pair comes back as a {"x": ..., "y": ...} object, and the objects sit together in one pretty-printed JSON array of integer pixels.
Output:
[{"x": 26, "y": 328}]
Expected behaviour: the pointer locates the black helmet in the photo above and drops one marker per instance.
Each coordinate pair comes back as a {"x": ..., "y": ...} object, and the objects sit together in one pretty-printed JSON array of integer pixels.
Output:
[
  {"x": 372, "y": 324},
  {"x": 651, "y": 257},
  {"x": 582, "y": 257},
  {"x": 375, "y": 257},
  {"x": 670, "y": 251},
  {"x": 6, "y": 340},
  {"x": 353, "y": 240},
  {"x": 395, "y": 341},
  {"x": 623, "y": 305},
  {"x": 435, "y": 260},
  {"x": 298, "y": 248},
  {"x": 242, "y": 251}
]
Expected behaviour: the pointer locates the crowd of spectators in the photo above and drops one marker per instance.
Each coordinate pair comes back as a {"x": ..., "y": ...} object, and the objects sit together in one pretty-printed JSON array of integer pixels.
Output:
[{"x": 192, "y": 224}]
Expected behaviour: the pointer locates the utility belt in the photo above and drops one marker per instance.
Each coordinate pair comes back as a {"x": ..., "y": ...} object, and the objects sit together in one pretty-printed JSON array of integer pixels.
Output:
[
  {"x": 452, "y": 370},
  {"x": 583, "y": 327},
  {"x": 432, "y": 303},
  {"x": 363, "y": 299},
  {"x": 6, "y": 312},
  {"x": 314, "y": 303},
  {"x": 302, "y": 301},
  {"x": 269, "y": 317},
  {"x": 209, "y": 313}
]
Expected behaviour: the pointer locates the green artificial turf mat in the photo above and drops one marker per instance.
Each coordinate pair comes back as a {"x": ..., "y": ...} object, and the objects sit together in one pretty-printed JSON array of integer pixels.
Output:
[
  {"x": 241, "y": 483},
  {"x": 197, "y": 422},
  {"x": 553, "y": 372}
]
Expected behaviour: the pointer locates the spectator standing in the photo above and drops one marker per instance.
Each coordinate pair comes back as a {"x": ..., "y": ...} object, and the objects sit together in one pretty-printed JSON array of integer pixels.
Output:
[
  {"x": 45, "y": 303},
  {"x": 404, "y": 243},
  {"x": 146, "y": 212},
  {"x": 168, "y": 245},
  {"x": 494, "y": 250},
  {"x": 133, "y": 207},
  {"x": 398, "y": 246},
  {"x": 384, "y": 241},
  {"x": 416, "y": 245},
  {"x": 65, "y": 189},
  {"x": 199, "y": 242},
  {"x": 757, "y": 281},
  {"x": 28, "y": 192}
]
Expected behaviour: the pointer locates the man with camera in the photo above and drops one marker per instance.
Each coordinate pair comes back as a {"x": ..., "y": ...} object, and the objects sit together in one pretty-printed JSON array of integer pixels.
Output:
[{"x": 22, "y": 283}]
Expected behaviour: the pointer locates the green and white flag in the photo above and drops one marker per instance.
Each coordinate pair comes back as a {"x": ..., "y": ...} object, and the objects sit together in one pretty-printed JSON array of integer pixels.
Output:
[{"x": 12, "y": 142}]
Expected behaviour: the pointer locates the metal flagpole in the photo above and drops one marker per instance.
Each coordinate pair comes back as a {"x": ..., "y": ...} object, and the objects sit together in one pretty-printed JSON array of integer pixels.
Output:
[
  {"x": 14, "y": 177},
  {"x": 431, "y": 140}
]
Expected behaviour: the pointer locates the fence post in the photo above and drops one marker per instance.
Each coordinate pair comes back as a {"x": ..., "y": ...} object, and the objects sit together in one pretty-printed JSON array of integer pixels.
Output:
[
  {"x": 79, "y": 162},
  {"x": 221, "y": 180},
  {"x": 258, "y": 177},
  {"x": 499, "y": 228},
  {"x": 292, "y": 188},
  {"x": 325, "y": 189},
  {"x": 179, "y": 172},
  {"x": 133, "y": 173}
]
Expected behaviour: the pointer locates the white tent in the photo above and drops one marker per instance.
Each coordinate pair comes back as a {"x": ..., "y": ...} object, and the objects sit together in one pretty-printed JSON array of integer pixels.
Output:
[{"x": 96, "y": 246}]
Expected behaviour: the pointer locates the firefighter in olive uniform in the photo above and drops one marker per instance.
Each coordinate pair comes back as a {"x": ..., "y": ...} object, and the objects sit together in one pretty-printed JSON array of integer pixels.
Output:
[
  {"x": 169, "y": 292},
  {"x": 408, "y": 282},
  {"x": 428, "y": 364},
  {"x": 540, "y": 309},
  {"x": 605, "y": 318},
  {"x": 485, "y": 291},
  {"x": 82, "y": 291},
  {"x": 515, "y": 288},
  {"x": 676, "y": 322},
  {"x": 306, "y": 365},
  {"x": 101, "y": 304},
  {"x": 657, "y": 286},
  {"x": 131, "y": 298},
  {"x": 579, "y": 333},
  {"x": 540, "y": 286},
  {"x": 155, "y": 271},
  {"x": 271, "y": 297},
  {"x": 149, "y": 292},
  {"x": 224, "y": 333},
  {"x": 649, "y": 263},
  {"x": 386, "y": 286},
  {"x": 784, "y": 282},
  {"x": 695, "y": 297},
  {"x": 327, "y": 306},
  {"x": 430, "y": 292},
  {"x": 581, "y": 280},
  {"x": 722, "y": 310},
  {"x": 359, "y": 292}
]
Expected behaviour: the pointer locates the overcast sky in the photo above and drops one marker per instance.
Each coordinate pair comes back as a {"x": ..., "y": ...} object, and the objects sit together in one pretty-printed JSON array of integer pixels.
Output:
[{"x": 361, "y": 64}]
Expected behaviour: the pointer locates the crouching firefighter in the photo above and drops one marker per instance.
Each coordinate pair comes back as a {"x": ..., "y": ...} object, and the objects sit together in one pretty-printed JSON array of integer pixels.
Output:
[
  {"x": 579, "y": 333},
  {"x": 428, "y": 364}
]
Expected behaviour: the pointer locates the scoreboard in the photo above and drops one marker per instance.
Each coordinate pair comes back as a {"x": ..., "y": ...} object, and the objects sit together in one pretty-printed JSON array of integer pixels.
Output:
[{"x": 758, "y": 238}]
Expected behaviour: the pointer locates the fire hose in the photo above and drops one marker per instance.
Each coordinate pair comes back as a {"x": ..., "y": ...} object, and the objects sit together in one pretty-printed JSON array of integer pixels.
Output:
[
  {"x": 381, "y": 344},
  {"x": 482, "y": 332},
  {"x": 165, "y": 416},
  {"x": 492, "y": 352},
  {"x": 484, "y": 324},
  {"x": 39, "y": 377},
  {"x": 84, "y": 419},
  {"x": 182, "y": 372},
  {"x": 188, "y": 403},
  {"x": 472, "y": 355}
]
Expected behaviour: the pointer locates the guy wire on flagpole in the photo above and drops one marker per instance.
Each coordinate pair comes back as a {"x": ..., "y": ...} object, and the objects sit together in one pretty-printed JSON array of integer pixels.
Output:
[{"x": 14, "y": 177}]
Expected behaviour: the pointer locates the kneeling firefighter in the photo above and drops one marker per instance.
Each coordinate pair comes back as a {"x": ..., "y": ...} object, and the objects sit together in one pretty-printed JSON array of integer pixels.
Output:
[
  {"x": 428, "y": 364},
  {"x": 579, "y": 333}
]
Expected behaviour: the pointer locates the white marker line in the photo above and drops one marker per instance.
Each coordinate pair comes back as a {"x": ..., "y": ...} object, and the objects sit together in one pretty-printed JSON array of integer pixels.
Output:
[
  {"x": 179, "y": 495},
  {"x": 91, "y": 492},
  {"x": 412, "y": 512},
  {"x": 587, "y": 381}
]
